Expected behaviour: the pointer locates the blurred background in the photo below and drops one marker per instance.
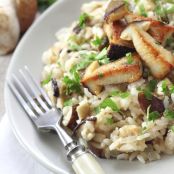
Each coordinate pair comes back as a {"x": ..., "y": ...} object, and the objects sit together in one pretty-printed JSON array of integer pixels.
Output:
[{"x": 16, "y": 17}]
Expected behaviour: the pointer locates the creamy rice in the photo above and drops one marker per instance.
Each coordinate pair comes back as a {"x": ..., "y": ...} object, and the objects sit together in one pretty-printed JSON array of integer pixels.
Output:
[{"x": 127, "y": 133}]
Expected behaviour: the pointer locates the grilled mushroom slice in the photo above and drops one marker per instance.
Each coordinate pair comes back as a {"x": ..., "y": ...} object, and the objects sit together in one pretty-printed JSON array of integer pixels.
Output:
[
  {"x": 158, "y": 30},
  {"x": 94, "y": 88},
  {"x": 158, "y": 59},
  {"x": 118, "y": 47},
  {"x": 115, "y": 10},
  {"x": 116, "y": 72}
]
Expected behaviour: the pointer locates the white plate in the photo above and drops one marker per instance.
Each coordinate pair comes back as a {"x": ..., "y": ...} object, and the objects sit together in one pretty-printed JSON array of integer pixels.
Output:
[{"x": 46, "y": 148}]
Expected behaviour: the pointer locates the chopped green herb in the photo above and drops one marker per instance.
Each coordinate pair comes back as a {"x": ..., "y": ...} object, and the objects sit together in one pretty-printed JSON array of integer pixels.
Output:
[
  {"x": 72, "y": 82},
  {"x": 89, "y": 58},
  {"x": 171, "y": 89},
  {"x": 139, "y": 88},
  {"x": 172, "y": 128},
  {"x": 120, "y": 94},
  {"x": 142, "y": 10},
  {"x": 97, "y": 41},
  {"x": 148, "y": 94},
  {"x": 164, "y": 87},
  {"x": 47, "y": 80},
  {"x": 136, "y": 1},
  {"x": 169, "y": 41},
  {"x": 150, "y": 89},
  {"x": 68, "y": 103},
  {"x": 108, "y": 102},
  {"x": 102, "y": 57},
  {"x": 109, "y": 121},
  {"x": 83, "y": 19},
  {"x": 169, "y": 114},
  {"x": 100, "y": 75},
  {"x": 153, "y": 116},
  {"x": 73, "y": 46},
  {"x": 129, "y": 58},
  {"x": 170, "y": 10}
]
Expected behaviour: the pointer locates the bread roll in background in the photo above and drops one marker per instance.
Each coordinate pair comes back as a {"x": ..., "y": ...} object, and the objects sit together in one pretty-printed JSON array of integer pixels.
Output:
[
  {"x": 9, "y": 26},
  {"x": 26, "y": 11}
]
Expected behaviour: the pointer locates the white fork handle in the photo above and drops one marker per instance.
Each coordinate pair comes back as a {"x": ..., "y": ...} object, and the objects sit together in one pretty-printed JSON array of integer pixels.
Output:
[{"x": 87, "y": 164}]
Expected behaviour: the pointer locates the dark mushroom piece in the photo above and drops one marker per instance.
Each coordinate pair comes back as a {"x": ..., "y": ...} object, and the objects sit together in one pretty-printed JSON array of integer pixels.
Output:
[
  {"x": 155, "y": 104},
  {"x": 115, "y": 10},
  {"x": 55, "y": 88},
  {"x": 94, "y": 119},
  {"x": 118, "y": 47},
  {"x": 98, "y": 151}
]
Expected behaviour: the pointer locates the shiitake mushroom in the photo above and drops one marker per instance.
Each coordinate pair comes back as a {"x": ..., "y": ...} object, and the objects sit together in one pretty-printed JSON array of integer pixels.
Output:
[{"x": 155, "y": 103}]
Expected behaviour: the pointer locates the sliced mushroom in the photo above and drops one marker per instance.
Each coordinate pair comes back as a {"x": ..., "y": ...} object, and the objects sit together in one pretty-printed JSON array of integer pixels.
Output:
[
  {"x": 118, "y": 47},
  {"x": 158, "y": 30},
  {"x": 94, "y": 119},
  {"x": 116, "y": 72},
  {"x": 55, "y": 88},
  {"x": 155, "y": 104},
  {"x": 158, "y": 59},
  {"x": 95, "y": 89},
  {"x": 83, "y": 110},
  {"x": 116, "y": 51},
  {"x": 115, "y": 10},
  {"x": 70, "y": 119}
]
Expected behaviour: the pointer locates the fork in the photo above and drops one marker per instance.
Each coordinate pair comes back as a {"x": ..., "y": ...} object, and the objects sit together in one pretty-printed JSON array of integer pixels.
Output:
[{"x": 45, "y": 116}]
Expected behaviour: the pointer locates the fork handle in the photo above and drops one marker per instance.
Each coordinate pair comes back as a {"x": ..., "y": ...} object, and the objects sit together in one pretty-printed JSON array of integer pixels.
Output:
[{"x": 87, "y": 164}]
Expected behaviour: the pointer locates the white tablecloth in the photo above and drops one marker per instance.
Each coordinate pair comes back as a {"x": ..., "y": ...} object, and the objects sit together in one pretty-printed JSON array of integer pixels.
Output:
[{"x": 13, "y": 158}]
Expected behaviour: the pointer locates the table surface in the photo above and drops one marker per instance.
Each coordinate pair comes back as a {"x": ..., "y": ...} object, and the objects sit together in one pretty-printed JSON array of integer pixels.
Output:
[{"x": 4, "y": 62}]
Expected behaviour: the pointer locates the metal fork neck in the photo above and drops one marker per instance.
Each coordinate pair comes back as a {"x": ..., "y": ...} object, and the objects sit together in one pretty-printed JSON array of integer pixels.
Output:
[{"x": 64, "y": 137}]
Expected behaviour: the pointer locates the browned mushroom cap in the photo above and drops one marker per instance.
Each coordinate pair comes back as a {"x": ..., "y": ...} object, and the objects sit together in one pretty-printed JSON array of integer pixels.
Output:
[
  {"x": 155, "y": 104},
  {"x": 115, "y": 10}
]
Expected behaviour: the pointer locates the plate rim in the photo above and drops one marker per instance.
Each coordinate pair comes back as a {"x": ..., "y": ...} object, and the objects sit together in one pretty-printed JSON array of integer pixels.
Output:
[{"x": 24, "y": 145}]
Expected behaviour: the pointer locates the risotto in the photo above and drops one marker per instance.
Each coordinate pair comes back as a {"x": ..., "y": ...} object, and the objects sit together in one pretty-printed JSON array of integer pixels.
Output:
[{"x": 111, "y": 73}]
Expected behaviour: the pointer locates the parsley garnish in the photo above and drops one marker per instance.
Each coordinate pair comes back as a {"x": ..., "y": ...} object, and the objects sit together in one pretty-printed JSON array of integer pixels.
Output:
[
  {"x": 129, "y": 58},
  {"x": 164, "y": 87},
  {"x": 109, "y": 121},
  {"x": 47, "y": 80},
  {"x": 83, "y": 19},
  {"x": 153, "y": 116},
  {"x": 120, "y": 94},
  {"x": 68, "y": 103},
  {"x": 89, "y": 58},
  {"x": 172, "y": 128},
  {"x": 97, "y": 41},
  {"x": 171, "y": 89},
  {"x": 150, "y": 89},
  {"x": 108, "y": 102},
  {"x": 100, "y": 75},
  {"x": 169, "y": 114},
  {"x": 72, "y": 82},
  {"x": 142, "y": 10}
]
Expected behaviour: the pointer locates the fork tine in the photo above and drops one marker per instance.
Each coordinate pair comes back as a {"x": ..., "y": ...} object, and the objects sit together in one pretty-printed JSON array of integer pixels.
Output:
[
  {"x": 27, "y": 95},
  {"x": 33, "y": 91},
  {"x": 23, "y": 103},
  {"x": 46, "y": 98}
]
